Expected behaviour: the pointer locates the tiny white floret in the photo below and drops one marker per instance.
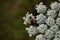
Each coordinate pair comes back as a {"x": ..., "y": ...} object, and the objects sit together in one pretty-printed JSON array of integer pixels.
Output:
[
  {"x": 56, "y": 39},
  {"x": 27, "y": 18},
  {"x": 31, "y": 31},
  {"x": 58, "y": 21},
  {"x": 57, "y": 34}
]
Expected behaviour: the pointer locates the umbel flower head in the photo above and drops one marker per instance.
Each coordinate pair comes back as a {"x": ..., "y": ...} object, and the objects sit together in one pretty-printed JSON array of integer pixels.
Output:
[
  {"x": 42, "y": 28},
  {"x": 40, "y": 18},
  {"x": 51, "y": 13},
  {"x": 47, "y": 21},
  {"x": 40, "y": 8}
]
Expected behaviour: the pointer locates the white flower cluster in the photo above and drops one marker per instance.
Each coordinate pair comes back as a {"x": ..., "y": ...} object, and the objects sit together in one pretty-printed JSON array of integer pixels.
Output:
[
  {"x": 57, "y": 35},
  {"x": 32, "y": 31},
  {"x": 27, "y": 18},
  {"x": 40, "y": 18},
  {"x": 48, "y": 24},
  {"x": 51, "y": 13},
  {"x": 41, "y": 8},
  {"x": 58, "y": 21},
  {"x": 55, "y": 6},
  {"x": 42, "y": 28}
]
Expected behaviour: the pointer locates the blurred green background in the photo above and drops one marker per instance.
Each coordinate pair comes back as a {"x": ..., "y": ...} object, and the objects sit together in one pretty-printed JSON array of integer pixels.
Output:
[{"x": 11, "y": 22}]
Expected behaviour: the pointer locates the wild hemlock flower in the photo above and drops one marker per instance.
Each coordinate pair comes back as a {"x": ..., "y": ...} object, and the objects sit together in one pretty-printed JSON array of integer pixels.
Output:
[
  {"x": 49, "y": 34},
  {"x": 51, "y": 13},
  {"x": 40, "y": 8},
  {"x": 54, "y": 6},
  {"x": 40, "y": 18},
  {"x": 27, "y": 18},
  {"x": 47, "y": 25},
  {"x": 42, "y": 28},
  {"x": 31, "y": 30},
  {"x": 58, "y": 21},
  {"x": 54, "y": 28},
  {"x": 50, "y": 21}
]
